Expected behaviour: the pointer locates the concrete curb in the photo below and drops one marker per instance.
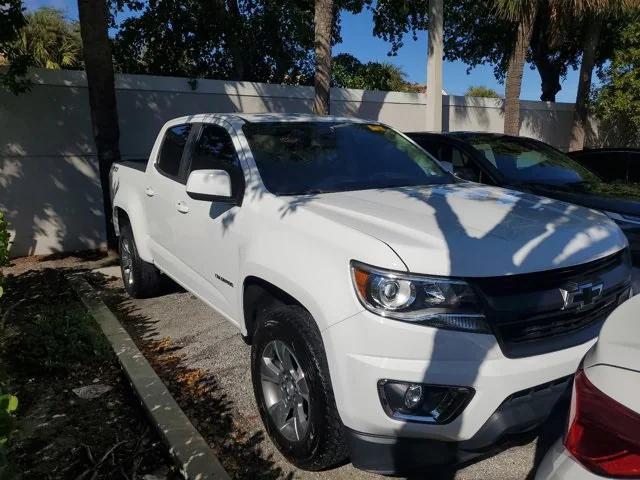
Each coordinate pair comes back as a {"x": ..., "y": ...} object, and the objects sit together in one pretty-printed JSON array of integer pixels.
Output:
[{"x": 189, "y": 450}]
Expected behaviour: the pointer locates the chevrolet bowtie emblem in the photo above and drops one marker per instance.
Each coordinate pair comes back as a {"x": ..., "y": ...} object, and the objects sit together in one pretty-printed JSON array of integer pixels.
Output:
[{"x": 579, "y": 296}]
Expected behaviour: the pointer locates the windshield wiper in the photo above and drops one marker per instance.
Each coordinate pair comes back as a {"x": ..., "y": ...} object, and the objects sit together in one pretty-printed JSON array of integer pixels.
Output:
[{"x": 313, "y": 191}]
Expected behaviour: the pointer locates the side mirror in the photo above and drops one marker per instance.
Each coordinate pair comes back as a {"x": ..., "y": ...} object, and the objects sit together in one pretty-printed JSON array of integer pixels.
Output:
[{"x": 212, "y": 185}]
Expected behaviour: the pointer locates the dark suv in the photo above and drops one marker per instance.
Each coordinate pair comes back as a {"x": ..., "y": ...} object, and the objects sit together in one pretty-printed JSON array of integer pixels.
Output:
[{"x": 532, "y": 166}]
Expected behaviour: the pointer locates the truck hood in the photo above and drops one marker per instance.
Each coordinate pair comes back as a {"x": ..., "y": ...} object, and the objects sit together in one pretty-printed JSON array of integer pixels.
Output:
[{"x": 470, "y": 230}]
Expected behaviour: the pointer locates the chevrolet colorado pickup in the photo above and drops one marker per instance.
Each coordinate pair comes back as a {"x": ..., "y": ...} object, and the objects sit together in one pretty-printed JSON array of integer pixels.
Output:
[{"x": 397, "y": 316}]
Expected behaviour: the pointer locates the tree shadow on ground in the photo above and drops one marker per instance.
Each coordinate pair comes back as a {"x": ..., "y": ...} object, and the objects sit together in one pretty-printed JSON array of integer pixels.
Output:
[{"x": 196, "y": 391}]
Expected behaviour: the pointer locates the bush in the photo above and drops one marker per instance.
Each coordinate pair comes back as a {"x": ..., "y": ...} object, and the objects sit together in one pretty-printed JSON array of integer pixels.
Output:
[
  {"x": 622, "y": 190},
  {"x": 4, "y": 241},
  {"x": 56, "y": 339},
  {"x": 4, "y": 247},
  {"x": 8, "y": 405}
]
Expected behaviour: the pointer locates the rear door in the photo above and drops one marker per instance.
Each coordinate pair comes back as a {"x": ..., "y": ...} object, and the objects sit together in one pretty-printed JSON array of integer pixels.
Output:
[{"x": 163, "y": 191}]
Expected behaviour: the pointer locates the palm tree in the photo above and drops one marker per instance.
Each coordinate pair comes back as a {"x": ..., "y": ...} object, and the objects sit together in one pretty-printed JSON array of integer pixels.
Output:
[
  {"x": 50, "y": 40},
  {"x": 523, "y": 12},
  {"x": 323, "y": 19},
  {"x": 94, "y": 24}
]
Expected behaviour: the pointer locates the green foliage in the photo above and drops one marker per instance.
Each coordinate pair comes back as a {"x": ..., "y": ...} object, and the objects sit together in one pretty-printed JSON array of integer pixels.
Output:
[
  {"x": 43, "y": 38},
  {"x": 50, "y": 40},
  {"x": 349, "y": 72},
  {"x": 393, "y": 19},
  {"x": 4, "y": 247},
  {"x": 481, "y": 91},
  {"x": 254, "y": 40},
  {"x": 617, "y": 102},
  {"x": 4, "y": 241},
  {"x": 8, "y": 406},
  {"x": 622, "y": 190},
  {"x": 11, "y": 21},
  {"x": 484, "y": 33},
  {"x": 56, "y": 338}
]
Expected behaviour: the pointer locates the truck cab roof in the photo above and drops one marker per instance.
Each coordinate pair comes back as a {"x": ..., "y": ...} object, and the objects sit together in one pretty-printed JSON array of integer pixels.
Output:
[{"x": 235, "y": 118}]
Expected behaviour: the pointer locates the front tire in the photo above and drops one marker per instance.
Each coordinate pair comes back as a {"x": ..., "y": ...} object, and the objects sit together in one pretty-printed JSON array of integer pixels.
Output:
[
  {"x": 141, "y": 279},
  {"x": 293, "y": 389}
]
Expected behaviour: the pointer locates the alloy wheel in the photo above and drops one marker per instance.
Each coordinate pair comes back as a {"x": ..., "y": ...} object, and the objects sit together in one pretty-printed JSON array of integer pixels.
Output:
[
  {"x": 285, "y": 390},
  {"x": 127, "y": 262}
]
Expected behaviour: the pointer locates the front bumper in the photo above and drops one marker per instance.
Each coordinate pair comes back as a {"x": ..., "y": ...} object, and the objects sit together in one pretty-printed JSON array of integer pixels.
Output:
[
  {"x": 516, "y": 421},
  {"x": 366, "y": 348}
]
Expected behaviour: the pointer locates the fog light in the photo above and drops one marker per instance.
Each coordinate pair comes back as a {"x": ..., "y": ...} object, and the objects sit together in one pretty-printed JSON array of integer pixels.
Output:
[
  {"x": 417, "y": 402},
  {"x": 413, "y": 396}
]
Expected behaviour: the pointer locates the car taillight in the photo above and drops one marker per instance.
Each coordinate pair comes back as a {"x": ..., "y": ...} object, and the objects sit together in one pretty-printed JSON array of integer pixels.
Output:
[{"x": 603, "y": 435}]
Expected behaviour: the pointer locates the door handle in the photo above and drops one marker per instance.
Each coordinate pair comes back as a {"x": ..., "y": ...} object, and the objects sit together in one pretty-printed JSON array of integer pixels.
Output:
[
  {"x": 149, "y": 192},
  {"x": 182, "y": 207}
]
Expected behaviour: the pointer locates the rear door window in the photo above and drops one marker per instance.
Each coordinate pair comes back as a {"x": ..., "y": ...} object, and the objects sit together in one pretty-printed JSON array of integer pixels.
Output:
[{"x": 172, "y": 149}]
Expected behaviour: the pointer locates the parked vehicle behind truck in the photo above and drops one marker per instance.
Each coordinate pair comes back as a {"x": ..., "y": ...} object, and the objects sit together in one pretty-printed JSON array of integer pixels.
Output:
[
  {"x": 397, "y": 316},
  {"x": 532, "y": 166}
]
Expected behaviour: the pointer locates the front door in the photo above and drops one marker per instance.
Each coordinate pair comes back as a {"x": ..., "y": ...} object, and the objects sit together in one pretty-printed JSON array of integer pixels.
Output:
[{"x": 209, "y": 240}]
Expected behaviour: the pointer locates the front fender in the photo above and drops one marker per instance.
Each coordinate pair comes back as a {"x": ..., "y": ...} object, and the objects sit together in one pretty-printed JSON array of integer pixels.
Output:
[{"x": 315, "y": 270}]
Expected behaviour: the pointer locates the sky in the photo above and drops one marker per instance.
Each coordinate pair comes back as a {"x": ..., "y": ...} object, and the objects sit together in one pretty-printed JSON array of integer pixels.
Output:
[{"x": 358, "y": 40}]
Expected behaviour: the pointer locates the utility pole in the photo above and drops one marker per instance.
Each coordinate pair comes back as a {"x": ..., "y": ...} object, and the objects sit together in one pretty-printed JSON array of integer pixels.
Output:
[{"x": 434, "y": 66}]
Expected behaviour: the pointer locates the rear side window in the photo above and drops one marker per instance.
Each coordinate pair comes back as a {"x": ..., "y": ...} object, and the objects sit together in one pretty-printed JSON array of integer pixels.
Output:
[{"x": 171, "y": 151}]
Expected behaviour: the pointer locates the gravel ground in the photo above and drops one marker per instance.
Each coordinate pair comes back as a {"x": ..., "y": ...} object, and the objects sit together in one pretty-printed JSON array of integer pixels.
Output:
[{"x": 205, "y": 341}]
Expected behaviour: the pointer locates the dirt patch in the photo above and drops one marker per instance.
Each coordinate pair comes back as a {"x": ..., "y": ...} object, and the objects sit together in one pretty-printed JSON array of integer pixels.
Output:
[
  {"x": 49, "y": 346},
  {"x": 87, "y": 259}
]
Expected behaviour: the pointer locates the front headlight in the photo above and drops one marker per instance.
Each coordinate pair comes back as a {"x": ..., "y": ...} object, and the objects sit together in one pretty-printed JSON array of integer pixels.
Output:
[{"x": 433, "y": 301}]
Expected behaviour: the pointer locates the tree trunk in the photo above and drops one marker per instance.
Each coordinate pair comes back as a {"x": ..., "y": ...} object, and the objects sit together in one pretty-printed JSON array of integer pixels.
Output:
[
  {"x": 549, "y": 78},
  {"x": 513, "y": 83},
  {"x": 102, "y": 96},
  {"x": 581, "y": 113},
  {"x": 234, "y": 39},
  {"x": 323, "y": 26}
]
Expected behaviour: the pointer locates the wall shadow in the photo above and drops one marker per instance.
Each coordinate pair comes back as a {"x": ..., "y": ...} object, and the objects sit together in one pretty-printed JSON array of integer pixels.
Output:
[{"x": 49, "y": 185}]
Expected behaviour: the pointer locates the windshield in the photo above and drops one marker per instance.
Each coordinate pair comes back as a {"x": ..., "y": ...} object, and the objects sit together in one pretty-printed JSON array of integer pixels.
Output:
[
  {"x": 297, "y": 158},
  {"x": 528, "y": 161}
]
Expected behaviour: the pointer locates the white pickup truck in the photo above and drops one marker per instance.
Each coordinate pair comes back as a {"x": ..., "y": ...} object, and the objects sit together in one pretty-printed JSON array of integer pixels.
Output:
[{"x": 398, "y": 316}]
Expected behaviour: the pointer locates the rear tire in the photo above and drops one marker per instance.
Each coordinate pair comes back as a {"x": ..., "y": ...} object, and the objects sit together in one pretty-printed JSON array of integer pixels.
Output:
[
  {"x": 141, "y": 279},
  {"x": 296, "y": 385}
]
